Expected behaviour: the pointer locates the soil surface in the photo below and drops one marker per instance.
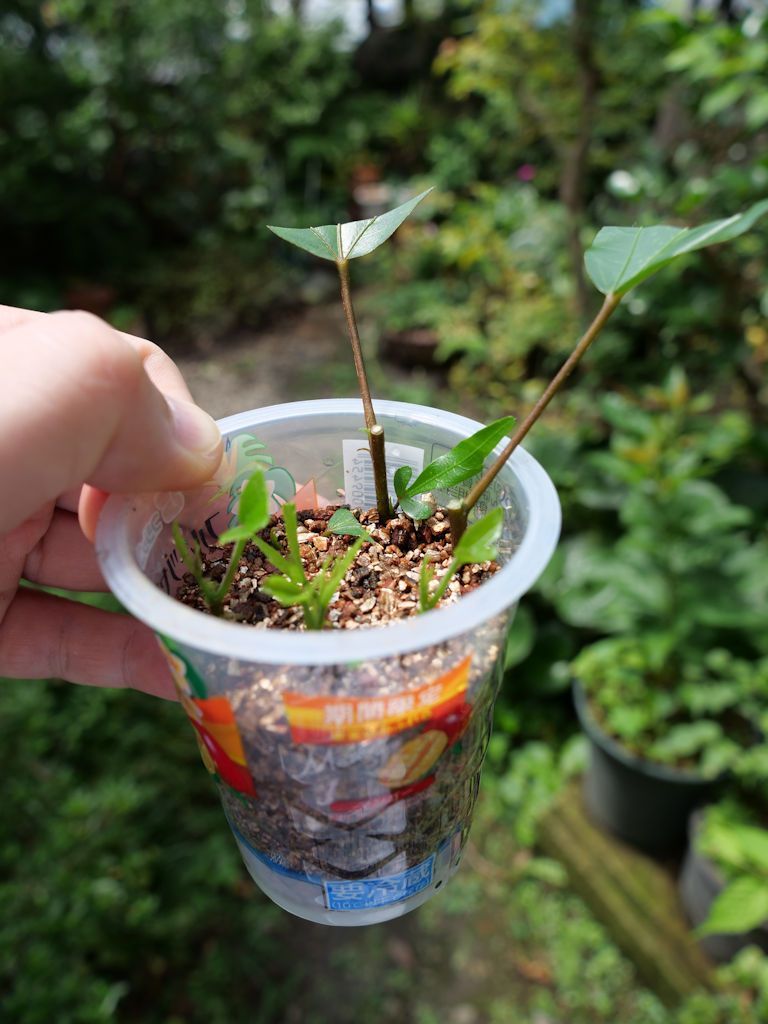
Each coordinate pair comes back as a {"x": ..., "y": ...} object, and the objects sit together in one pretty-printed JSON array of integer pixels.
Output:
[{"x": 381, "y": 586}]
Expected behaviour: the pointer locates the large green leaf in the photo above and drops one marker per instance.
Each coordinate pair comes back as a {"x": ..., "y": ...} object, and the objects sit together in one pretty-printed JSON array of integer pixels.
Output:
[
  {"x": 461, "y": 462},
  {"x": 620, "y": 258},
  {"x": 741, "y": 906},
  {"x": 347, "y": 241}
]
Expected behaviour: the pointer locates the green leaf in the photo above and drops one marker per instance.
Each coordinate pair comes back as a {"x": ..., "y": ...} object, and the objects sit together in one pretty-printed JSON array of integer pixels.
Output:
[
  {"x": 290, "y": 522},
  {"x": 463, "y": 461},
  {"x": 479, "y": 542},
  {"x": 285, "y": 591},
  {"x": 252, "y": 510},
  {"x": 416, "y": 509},
  {"x": 753, "y": 843},
  {"x": 344, "y": 523},
  {"x": 620, "y": 258},
  {"x": 741, "y": 906},
  {"x": 347, "y": 241},
  {"x": 402, "y": 476}
]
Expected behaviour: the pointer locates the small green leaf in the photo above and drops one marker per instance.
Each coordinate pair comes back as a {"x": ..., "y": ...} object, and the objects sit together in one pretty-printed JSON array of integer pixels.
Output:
[
  {"x": 620, "y": 258},
  {"x": 416, "y": 509},
  {"x": 290, "y": 522},
  {"x": 411, "y": 506},
  {"x": 252, "y": 510},
  {"x": 344, "y": 523},
  {"x": 347, "y": 241},
  {"x": 741, "y": 906},
  {"x": 192, "y": 562},
  {"x": 479, "y": 542},
  {"x": 463, "y": 461},
  {"x": 285, "y": 591},
  {"x": 402, "y": 476}
]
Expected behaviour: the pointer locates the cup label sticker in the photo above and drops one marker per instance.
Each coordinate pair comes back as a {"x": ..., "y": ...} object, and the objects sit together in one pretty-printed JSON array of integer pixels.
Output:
[
  {"x": 369, "y": 893},
  {"x": 213, "y": 720},
  {"x": 359, "y": 486},
  {"x": 331, "y": 720}
]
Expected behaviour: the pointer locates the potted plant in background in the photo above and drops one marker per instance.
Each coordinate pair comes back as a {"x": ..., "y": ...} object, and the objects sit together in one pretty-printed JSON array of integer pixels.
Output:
[
  {"x": 348, "y": 762},
  {"x": 665, "y": 707}
]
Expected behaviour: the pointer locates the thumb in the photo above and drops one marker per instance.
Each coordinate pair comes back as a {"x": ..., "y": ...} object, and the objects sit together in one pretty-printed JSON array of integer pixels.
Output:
[{"x": 79, "y": 407}]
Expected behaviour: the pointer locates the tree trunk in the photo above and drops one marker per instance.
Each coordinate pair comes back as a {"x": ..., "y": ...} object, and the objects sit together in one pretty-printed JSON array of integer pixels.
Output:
[
  {"x": 409, "y": 11},
  {"x": 297, "y": 9},
  {"x": 575, "y": 167}
]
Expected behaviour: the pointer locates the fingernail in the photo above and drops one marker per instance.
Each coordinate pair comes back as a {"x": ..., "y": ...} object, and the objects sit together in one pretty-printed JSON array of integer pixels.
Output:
[{"x": 194, "y": 429}]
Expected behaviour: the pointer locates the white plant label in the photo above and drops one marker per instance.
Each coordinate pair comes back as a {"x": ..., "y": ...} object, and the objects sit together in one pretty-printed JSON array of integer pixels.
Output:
[{"x": 359, "y": 487}]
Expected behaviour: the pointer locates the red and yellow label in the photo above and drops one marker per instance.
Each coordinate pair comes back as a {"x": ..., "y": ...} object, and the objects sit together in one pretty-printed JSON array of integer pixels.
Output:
[
  {"x": 213, "y": 720},
  {"x": 353, "y": 719}
]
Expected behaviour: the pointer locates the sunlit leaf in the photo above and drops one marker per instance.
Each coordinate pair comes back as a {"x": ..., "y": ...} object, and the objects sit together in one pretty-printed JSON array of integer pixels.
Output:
[
  {"x": 350, "y": 240},
  {"x": 412, "y": 507},
  {"x": 620, "y": 258},
  {"x": 252, "y": 510}
]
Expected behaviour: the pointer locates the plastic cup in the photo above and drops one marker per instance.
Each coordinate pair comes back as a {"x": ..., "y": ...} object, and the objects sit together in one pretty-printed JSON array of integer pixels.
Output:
[{"x": 348, "y": 762}]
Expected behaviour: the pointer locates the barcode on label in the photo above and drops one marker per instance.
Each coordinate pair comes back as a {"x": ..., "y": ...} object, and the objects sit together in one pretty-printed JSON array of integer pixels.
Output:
[{"x": 359, "y": 488}]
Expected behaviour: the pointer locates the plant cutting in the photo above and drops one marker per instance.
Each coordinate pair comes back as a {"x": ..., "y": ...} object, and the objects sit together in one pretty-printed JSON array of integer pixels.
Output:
[
  {"x": 348, "y": 757},
  {"x": 724, "y": 880}
]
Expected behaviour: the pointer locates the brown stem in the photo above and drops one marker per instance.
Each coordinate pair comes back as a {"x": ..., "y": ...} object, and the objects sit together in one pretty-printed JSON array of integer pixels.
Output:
[
  {"x": 354, "y": 337},
  {"x": 375, "y": 431},
  {"x": 378, "y": 458},
  {"x": 609, "y": 305}
]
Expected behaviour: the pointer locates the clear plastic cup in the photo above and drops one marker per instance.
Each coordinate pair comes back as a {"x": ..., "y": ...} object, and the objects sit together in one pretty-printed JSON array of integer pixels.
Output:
[{"x": 348, "y": 762}]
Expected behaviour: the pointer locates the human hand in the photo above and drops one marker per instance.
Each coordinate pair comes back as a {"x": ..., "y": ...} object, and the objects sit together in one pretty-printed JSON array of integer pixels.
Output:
[{"x": 84, "y": 411}]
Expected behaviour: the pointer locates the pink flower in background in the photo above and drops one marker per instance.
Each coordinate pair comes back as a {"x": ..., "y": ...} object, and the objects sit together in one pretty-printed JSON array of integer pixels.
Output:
[{"x": 526, "y": 172}]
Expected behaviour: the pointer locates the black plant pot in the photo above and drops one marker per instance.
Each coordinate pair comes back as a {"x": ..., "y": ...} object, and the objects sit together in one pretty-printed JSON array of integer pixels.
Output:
[
  {"x": 700, "y": 884},
  {"x": 646, "y": 804}
]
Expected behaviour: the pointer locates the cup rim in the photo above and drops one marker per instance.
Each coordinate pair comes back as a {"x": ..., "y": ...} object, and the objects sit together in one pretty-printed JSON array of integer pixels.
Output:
[{"x": 237, "y": 640}]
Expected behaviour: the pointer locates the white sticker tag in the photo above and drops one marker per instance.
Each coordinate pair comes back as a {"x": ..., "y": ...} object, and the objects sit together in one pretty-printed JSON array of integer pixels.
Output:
[{"x": 359, "y": 488}]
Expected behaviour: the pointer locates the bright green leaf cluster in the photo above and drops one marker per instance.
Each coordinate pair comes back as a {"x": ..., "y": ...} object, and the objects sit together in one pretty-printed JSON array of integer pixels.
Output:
[
  {"x": 253, "y": 515},
  {"x": 294, "y": 587}
]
